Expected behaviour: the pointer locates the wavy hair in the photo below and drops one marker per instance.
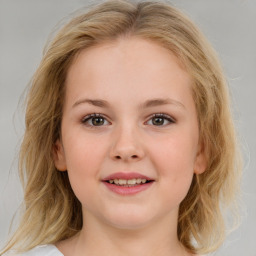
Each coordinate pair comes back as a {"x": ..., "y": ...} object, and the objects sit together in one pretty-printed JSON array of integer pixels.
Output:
[{"x": 51, "y": 210}]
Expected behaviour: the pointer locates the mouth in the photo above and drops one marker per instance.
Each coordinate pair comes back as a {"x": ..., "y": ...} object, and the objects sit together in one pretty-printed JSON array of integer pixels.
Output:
[{"x": 127, "y": 183}]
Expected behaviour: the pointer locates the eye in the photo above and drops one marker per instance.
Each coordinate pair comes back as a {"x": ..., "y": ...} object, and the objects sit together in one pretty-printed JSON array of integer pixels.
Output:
[
  {"x": 95, "y": 120},
  {"x": 160, "y": 120}
]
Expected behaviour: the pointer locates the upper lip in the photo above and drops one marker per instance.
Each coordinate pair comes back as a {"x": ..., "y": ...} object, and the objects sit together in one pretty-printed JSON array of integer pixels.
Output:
[{"x": 126, "y": 176}]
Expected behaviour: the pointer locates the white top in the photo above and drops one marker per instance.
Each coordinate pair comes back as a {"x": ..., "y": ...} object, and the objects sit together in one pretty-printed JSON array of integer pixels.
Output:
[{"x": 40, "y": 250}]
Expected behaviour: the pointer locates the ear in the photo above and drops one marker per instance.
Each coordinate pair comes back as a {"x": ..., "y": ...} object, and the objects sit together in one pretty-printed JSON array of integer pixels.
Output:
[
  {"x": 59, "y": 156},
  {"x": 200, "y": 164}
]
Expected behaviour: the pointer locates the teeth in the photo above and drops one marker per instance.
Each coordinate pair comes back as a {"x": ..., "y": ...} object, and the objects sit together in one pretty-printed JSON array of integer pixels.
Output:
[
  {"x": 132, "y": 182},
  {"x": 128, "y": 182},
  {"x": 138, "y": 180}
]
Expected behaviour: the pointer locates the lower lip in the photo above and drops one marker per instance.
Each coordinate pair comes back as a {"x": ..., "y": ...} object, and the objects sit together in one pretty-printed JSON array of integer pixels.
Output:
[{"x": 127, "y": 190}]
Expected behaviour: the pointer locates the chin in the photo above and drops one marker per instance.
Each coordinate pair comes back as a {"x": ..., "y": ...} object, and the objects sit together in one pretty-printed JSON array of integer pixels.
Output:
[
  {"x": 129, "y": 225},
  {"x": 129, "y": 220}
]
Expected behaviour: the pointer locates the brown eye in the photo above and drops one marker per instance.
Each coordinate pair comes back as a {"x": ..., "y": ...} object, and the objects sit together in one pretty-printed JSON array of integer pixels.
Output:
[
  {"x": 95, "y": 120},
  {"x": 158, "y": 121},
  {"x": 161, "y": 120}
]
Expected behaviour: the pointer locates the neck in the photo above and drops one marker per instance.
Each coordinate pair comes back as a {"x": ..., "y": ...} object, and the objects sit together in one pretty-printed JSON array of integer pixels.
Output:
[{"x": 99, "y": 238}]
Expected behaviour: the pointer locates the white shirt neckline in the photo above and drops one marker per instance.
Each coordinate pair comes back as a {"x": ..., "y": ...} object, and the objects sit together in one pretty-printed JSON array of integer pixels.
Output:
[{"x": 40, "y": 250}]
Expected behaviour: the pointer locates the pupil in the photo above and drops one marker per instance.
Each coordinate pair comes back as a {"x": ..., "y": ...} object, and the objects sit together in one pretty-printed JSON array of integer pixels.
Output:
[
  {"x": 98, "y": 121},
  {"x": 158, "y": 120}
]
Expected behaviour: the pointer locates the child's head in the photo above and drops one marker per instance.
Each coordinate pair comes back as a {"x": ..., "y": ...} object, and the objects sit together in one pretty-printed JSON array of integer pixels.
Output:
[{"x": 51, "y": 206}]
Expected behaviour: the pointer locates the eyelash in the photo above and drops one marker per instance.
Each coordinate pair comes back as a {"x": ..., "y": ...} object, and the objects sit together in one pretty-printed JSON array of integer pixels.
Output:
[
  {"x": 99, "y": 115},
  {"x": 89, "y": 117},
  {"x": 164, "y": 116}
]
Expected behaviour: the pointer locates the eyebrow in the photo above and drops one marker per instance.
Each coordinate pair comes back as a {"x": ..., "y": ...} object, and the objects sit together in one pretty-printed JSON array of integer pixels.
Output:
[
  {"x": 94, "y": 102},
  {"x": 147, "y": 104},
  {"x": 159, "y": 102}
]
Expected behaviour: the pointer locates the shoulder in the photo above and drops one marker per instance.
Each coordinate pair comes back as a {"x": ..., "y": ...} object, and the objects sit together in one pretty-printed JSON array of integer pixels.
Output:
[{"x": 40, "y": 250}]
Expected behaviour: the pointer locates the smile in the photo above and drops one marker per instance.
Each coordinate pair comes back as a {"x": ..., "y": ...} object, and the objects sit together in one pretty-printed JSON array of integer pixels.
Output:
[{"x": 127, "y": 183}]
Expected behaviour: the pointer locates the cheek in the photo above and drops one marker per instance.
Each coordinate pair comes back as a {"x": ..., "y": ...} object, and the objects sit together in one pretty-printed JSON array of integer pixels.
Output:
[
  {"x": 174, "y": 155},
  {"x": 84, "y": 158},
  {"x": 173, "y": 159},
  {"x": 83, "y": 153}
]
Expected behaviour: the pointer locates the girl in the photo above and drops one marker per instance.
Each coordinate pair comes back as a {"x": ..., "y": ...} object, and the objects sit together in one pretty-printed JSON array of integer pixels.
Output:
[{"x": 129, "y": 146}]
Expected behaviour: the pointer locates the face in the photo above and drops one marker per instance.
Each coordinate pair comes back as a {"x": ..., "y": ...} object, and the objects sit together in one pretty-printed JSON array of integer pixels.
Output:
[{"x": 129, "y": 118}]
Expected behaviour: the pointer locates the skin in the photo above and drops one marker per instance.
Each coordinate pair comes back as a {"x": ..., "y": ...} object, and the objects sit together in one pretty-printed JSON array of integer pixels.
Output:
[{"x": 127, "y": 73}]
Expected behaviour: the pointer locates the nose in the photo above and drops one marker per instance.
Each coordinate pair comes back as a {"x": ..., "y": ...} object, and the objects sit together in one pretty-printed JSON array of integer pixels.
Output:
[{"x": 127, "y": 145}]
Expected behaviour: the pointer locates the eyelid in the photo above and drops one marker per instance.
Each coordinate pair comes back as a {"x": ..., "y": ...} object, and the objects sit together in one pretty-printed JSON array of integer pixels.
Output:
[
  {"x": 86, "y": 118},
  {"x": 162, "y": 115}
]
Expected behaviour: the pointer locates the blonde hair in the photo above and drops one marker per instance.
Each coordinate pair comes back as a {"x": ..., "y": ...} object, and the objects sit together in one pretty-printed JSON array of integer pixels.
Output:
[{"x": 52, "y": 212}]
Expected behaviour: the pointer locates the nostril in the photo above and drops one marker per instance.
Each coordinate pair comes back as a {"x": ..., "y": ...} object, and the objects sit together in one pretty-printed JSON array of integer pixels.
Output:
[{"x": 133, "y": 157}]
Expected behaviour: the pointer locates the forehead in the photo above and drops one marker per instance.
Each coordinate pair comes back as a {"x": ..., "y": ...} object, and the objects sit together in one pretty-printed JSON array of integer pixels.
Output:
[
  {"x": 130, "y": 50},
  {"x": 130, "y": 65}
]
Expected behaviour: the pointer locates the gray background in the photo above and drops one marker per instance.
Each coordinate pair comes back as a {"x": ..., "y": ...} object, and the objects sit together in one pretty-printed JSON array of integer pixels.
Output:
[{"x": 25, "y": 26}]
